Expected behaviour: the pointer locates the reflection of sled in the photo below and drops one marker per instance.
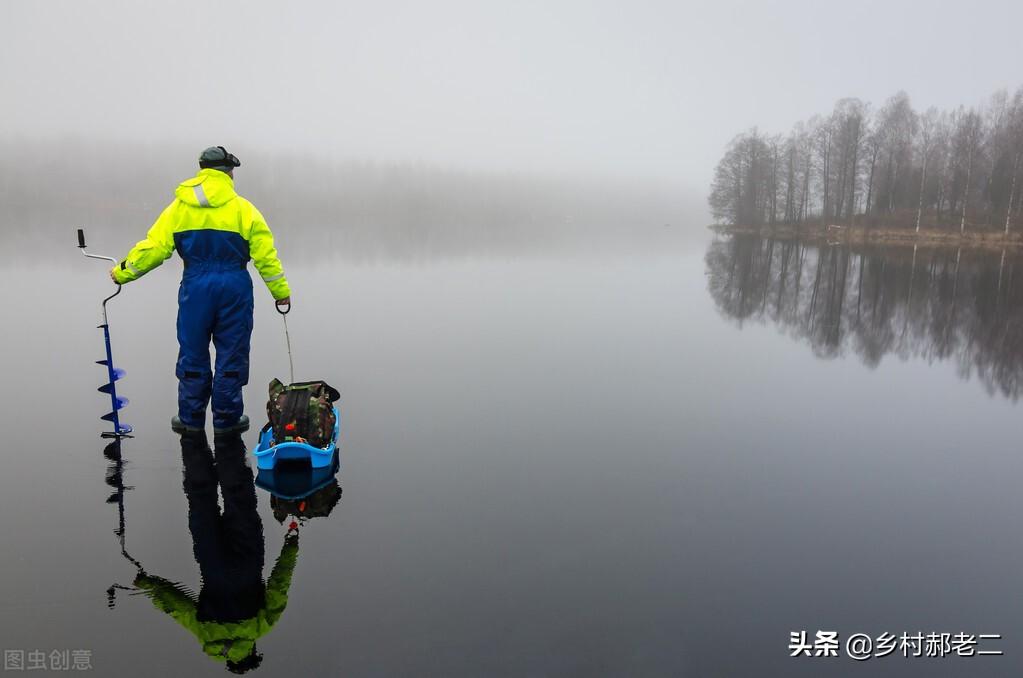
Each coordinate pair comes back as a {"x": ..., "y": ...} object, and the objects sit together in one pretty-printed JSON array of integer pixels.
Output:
[
  {"x": 268, "y": 454},
  {"x": 300, "y": 491},
  {"x": 295, "y": 481}
]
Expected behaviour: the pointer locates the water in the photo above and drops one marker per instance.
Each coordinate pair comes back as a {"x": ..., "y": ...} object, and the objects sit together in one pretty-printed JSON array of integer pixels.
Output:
[{"x": 554, "y": 463}]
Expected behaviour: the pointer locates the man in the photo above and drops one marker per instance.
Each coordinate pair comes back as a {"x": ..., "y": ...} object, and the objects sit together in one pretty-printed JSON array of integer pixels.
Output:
[{"x": 216, "y": 232}]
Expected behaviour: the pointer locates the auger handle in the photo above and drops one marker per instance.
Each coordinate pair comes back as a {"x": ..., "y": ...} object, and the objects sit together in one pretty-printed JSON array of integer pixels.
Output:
[{"x": 81, "y": 246}]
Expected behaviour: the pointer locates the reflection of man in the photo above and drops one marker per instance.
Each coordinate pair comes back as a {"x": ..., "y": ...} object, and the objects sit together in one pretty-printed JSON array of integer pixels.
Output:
[{"x": 233, "y": 608}]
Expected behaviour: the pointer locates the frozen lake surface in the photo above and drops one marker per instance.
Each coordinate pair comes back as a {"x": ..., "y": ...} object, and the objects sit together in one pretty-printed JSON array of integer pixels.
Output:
[{"x": 552, "y": 463}]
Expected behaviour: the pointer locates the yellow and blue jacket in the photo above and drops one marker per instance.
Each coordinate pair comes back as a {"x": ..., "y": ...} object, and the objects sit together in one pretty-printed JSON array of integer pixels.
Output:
[{"x": 209, "y": 225}]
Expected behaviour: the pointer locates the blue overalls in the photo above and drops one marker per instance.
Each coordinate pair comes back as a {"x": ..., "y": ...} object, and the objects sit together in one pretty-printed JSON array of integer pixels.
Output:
[
  {"x": 214, "y": 302},
  {"x": 216, "y": 232}
]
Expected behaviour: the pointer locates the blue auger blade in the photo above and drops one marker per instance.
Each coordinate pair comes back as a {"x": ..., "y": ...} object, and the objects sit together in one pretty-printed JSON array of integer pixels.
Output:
[
  {"x": 121, "y": 402},
  {"x": 119, "y": 373},
  {"x": 101, "y": 362},
  {"x": 106, "y": 388}
]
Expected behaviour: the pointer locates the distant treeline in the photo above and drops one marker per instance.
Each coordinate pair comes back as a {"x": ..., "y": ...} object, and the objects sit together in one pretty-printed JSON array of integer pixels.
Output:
[
  {"x": 891, "y": 166},
  {"x": 960, "y": 305},
  {"x": 319, "y": 205}
]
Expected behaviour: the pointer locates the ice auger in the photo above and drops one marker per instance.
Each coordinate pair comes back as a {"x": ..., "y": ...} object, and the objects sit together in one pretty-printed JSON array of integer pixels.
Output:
[{"x": 113, "y": 373}]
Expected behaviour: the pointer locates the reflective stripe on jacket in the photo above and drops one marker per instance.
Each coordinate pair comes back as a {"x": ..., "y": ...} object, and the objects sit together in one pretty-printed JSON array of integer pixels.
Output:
[{"x": 210, "y": 226}]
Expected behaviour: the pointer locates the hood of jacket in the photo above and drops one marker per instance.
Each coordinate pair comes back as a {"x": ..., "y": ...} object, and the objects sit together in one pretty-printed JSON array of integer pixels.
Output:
[{"x": 208, "y": 188}]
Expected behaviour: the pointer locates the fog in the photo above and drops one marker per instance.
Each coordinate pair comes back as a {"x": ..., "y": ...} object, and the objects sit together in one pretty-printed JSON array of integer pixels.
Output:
[
  {"x": 354, "y": 210},
  {"x": 644, "y": 92}
]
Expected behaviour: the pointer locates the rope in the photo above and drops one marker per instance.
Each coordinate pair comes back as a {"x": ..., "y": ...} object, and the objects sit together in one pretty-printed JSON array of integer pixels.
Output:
[{"x": 287, "y": 338}]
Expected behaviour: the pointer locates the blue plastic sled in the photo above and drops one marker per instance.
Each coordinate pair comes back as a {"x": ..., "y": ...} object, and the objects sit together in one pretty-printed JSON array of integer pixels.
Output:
[{"x": 267, "y": 454}]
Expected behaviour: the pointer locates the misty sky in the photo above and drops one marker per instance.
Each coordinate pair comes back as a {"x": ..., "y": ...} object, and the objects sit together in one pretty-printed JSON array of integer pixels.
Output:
[{"x": 649, "y": 90}]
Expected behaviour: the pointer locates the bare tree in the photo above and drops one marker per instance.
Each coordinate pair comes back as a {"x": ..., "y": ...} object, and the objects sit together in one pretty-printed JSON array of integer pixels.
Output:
[
  {"x": 848, "y": 123},
  {"x": 896, "y": 124},
  {"x": 873, "y": 144},
  {"x": 927, "y": 130},
  {"x": 1013, "y": 148},
  {"x": 968, "y": 133},
  {"x": 740, "y": 191}
]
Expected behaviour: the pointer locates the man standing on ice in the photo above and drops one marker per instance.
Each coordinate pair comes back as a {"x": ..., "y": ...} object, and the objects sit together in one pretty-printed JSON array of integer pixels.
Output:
[{"x": 216, "y": 232}]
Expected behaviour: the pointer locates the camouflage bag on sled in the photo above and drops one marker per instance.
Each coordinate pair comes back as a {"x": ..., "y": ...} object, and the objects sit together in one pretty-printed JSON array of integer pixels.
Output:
[{"x": 302, "y": 412}]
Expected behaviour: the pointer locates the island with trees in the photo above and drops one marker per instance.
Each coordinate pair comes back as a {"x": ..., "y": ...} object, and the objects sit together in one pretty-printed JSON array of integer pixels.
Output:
[{"x": 889, "y": 174}]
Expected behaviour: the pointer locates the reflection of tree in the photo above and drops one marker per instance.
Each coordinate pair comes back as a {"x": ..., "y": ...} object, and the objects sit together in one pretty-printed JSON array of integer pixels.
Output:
[{"x": 961, "y": 305}]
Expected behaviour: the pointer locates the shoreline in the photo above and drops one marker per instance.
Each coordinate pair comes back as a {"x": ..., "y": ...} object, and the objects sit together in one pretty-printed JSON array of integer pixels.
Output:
[{"x": 834, "y": 234}]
